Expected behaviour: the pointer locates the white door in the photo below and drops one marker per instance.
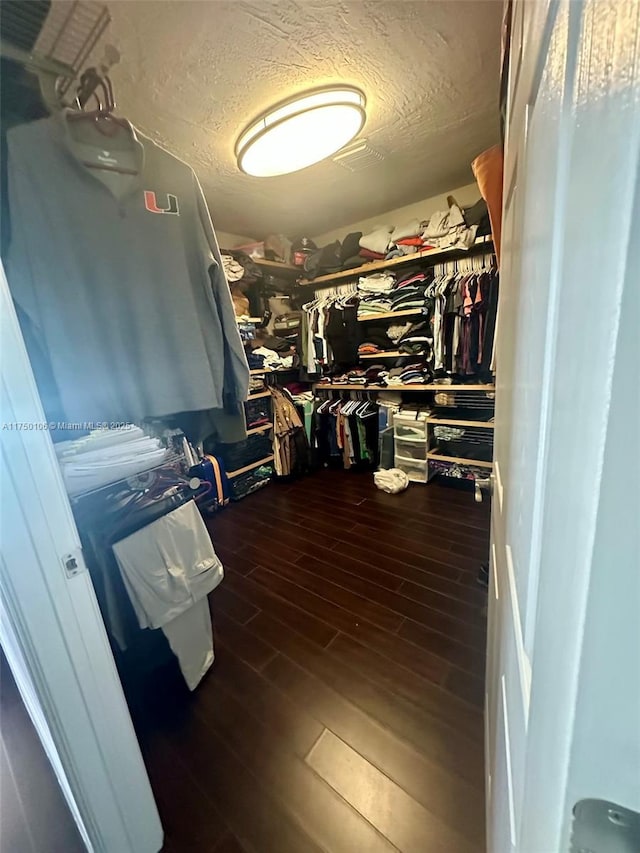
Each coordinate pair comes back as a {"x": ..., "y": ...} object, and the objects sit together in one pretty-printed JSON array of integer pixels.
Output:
[
  {"x": 51, "y": 629},
  {"x": 570, "y": 183}
]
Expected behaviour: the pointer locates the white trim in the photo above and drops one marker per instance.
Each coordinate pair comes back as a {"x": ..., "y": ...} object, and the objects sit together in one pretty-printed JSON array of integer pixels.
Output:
[
  {"x": 524, "y": 664},
  {"x": 55, "y": 623},
  {"x": 507, "y": 748}
]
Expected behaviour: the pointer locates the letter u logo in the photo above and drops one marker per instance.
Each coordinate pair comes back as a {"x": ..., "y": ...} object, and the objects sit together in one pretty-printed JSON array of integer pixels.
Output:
[{"x": 151, "y": 203}]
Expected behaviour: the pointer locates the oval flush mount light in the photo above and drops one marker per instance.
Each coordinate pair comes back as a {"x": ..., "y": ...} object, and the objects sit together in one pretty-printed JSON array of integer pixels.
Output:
[{"x": 301, "y": 131}]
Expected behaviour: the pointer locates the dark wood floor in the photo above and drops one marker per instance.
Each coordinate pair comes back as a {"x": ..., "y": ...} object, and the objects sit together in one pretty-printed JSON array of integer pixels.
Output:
[{"x": 343, "y": 712}]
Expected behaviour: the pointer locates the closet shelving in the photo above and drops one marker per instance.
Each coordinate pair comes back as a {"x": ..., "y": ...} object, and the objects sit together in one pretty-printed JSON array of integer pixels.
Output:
[
  {"x": 384, "y": 354},
  {"x": 372, "y": 266},
  {"x": 461, "y": 460},
  {"x": 232, "y": 474},
  {"x": 259, "y": 394},
  {"x": 461, "y": 423},
  {"x": 390, "y": 315},
  {"x": 358, "y": 387},
  {"x": 275, "y": 267},
  {"x": 259, "y": 429}
]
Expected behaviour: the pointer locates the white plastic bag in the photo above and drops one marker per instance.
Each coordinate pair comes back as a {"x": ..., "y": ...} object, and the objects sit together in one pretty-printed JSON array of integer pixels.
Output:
[{"x": 391, "y": 480}]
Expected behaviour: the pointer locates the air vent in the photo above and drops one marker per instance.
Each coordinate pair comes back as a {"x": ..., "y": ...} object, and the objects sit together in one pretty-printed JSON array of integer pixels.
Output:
[{"x": 358, "y": 156}]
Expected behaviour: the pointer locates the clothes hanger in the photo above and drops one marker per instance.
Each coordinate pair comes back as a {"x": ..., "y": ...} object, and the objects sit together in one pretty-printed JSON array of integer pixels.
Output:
[{"x": 91, "y": 84}]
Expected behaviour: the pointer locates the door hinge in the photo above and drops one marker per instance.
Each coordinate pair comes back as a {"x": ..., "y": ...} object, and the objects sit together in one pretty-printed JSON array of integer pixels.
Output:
[{"x": 73, "y": 564}]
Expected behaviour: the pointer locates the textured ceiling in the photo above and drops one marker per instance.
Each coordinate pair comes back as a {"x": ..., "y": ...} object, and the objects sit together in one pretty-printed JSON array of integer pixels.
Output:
[{"x": 193, "y": 74}]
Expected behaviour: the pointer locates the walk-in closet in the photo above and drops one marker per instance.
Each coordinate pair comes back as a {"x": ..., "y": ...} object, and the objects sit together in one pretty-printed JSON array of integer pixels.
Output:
[{"x": 258, "y": 307}]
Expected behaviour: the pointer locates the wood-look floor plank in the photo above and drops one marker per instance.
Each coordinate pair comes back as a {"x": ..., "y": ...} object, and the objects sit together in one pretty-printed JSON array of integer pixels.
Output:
[
  {"x": 407, "y": 681},
  {"x": 350, "y": 627},
  {"x": 279, "y": 605},
  {"x": 428, "y": 660},
  {"x": 330, "y": 821},
  {"x": 189, "y": 817},
  {"x": 469, "y": 687},
  {"x": 437, "y": 618},
  {"x": 470, "y": 658},
  {"x": 415, "y": 524},
  {"x": 450, "y": 764},
  {"x": 339, "y": 595},
  {"x": 405, "y": 822},
  {"x": 391, "y": 536},
  {"x": 238, "y": 562},
  {"x": 253, "y": 812},
  {"x": 251, "y": 648},
  {"x": 374, "y": 679},
  {"x": 273, "y": 707},
  {"x": 276, "y": 585},
  {"x": 240, "y": 609}
]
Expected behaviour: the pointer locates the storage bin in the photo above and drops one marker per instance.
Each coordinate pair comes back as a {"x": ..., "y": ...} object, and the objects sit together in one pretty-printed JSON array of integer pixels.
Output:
[
  {"x": 411, "y": 449},
  {"x": 407, "y": 425},
  {"x": 415, "y": 470},
  {"x": 385, "y": 448}
]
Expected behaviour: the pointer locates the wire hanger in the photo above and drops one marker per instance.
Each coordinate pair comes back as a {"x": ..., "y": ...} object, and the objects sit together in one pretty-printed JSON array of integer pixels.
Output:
[{"x": 95, "y": 85}]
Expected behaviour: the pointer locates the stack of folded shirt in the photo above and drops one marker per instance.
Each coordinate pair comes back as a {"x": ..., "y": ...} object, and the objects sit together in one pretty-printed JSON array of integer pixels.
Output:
[
  {"x": 410, "y": 374},
  {"x": 377, "y": 282},
  {"x": 369, "y": 348},
  {"x": 375, "y": 293},
  {"x": 417, "y": 340},
  {"x": 107, "y": 455},
  {"x": 373, "y": 304}
]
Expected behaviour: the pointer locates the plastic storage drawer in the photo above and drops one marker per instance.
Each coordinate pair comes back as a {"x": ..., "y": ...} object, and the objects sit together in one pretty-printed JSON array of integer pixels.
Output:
[
  {"x": 409, "y": 427},
  {"x": 415, "y": 470},
  {"x": 409, "y": 449}
]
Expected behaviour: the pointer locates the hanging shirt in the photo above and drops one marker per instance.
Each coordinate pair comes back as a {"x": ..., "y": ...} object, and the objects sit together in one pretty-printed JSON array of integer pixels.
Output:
[{"x": 121, "y": 277}]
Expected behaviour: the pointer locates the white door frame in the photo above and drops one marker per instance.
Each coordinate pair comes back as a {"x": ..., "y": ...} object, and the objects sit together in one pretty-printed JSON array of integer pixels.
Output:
[
  {"x": 563, "y": 681},
  {"x": 52, "y": 630}
]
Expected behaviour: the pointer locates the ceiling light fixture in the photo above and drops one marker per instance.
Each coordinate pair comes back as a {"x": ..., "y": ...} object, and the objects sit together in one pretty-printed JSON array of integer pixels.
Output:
[{"x": 301, "y": 131}]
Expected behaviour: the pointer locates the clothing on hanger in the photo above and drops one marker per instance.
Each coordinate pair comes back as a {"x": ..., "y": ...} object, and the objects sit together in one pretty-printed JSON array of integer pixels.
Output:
[{"x": 121, "y": 278}]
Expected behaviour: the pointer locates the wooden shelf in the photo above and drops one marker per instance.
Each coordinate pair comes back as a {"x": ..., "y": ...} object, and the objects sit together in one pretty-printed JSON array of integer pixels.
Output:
[
  {"x": 372, "y": 266},
  {"x": 319, "y": 386},
  {"x": 249, "y": 319},
  {"x": 478, "y": 463},
  {"x": 261, "y": 371},
  {"x": 390, "y": 315},
  {"x": 392, "y": 353},
  {"x": 256, "y": 430},
  {"x": 448, "y": 422},
  {"x": 246, "y": 468},
  {"x": 276, "y": 266},
  {"x": 259, "y": 394}
]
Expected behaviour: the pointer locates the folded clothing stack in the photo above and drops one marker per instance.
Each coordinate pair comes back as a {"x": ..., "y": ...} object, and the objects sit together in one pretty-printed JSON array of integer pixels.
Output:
[
  {"x": 255, "y": 361},
  {"x": 448, "y": 229},
  {"x": 106, "y": 456},
  {"x": 271, "y": 360},
  {"x": 416, "y": 373},
  {"x": 375, "y": 293},
  {"x": 374, "y": 339},
  {"x": 444, "y": 229},
  {"x": 379, "y": 282},
  {"x": 417, "y": 340}
]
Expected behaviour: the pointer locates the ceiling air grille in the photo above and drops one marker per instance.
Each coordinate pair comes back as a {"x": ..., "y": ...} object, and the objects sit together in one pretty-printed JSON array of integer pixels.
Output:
[{"x": 358, "y": 156}]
